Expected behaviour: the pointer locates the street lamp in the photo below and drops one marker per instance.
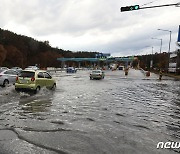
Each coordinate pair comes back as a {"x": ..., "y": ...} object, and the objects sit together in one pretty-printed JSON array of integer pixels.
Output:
[
  {"x": 169, "y": 38},
  {"x": 161, "y": 43},
  {"x": 169, "y": 44},
  {"x": 148, "y": 47},
  {"x": 151, "y": 62}
]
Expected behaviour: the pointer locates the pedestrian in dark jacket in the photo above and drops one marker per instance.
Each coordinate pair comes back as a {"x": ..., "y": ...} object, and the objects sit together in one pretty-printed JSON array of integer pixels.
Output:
[{"x": 160, "y": 75}]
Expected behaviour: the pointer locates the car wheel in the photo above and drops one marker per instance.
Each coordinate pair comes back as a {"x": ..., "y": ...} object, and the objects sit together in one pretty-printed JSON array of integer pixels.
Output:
[
  {"x": 53, "y": 87},
  {"x": 5, "y": 83},
  {"x": 37, "y": 90},
  {"x": 17, "y": 90}
]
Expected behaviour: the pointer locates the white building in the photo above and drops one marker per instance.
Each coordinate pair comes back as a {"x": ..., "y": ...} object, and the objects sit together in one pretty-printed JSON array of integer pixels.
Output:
[{"x": 174, "y": 62}]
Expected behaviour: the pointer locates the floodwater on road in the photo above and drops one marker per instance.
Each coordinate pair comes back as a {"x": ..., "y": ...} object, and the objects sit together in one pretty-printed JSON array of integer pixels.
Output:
[{"x": 117, "y": 115}]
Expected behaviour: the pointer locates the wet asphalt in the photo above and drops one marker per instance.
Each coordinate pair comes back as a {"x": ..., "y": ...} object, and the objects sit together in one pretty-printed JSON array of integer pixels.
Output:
[{"x": 117, "y": 115}]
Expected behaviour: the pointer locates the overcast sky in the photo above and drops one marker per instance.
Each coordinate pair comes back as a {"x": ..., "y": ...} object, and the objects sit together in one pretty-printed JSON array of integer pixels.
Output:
[{"x": 94, "y": 25}]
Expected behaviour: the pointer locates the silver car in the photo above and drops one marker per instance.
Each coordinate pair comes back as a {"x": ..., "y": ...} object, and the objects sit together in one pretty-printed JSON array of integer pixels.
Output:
[
  {"x": 18, "y": 69},
  {"x": 32, "y": 68},
  {"x": 97, "y": 74},
  {"x": 4, "y": 68},
  {"x": 7, "y": 77}
]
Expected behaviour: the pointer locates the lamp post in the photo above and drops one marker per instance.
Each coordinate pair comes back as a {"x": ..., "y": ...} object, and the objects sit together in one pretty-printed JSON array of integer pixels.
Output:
[
  {"x": 151, "y": 61},
  {"x": 161, "y": 43},
  {"x": 151, "y": 64},
  {"x": 170, "y": 32}
]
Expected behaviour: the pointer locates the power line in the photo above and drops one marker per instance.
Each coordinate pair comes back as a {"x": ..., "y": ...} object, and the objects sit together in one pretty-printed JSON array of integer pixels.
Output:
[{"x": 149, "y": 3}]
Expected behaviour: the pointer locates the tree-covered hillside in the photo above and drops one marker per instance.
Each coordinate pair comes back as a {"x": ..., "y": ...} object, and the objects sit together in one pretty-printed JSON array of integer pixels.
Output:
[{"x": 19, "y": 50}]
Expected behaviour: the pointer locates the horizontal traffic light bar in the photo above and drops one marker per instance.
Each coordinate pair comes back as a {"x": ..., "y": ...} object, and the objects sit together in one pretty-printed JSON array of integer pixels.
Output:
[
  {"x": 137, "y": 7},
  {"x": 130, "y": 8}
]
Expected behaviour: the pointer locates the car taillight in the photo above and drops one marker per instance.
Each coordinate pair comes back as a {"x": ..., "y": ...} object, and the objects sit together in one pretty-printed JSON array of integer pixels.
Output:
[
  {"x": 32, "y": 79},
  {"x": 16, "y": 78}
]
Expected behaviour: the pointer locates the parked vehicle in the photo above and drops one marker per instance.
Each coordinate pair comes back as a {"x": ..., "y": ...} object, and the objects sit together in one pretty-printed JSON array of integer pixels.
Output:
[
  {"x": 32, "y": 68},
  {"x": 71, "y": 70},
  {"x": 97, "y": 74},
  {"x": 113, "y": 67},
  {"x": 4, "y": 68},
  {"x": 121, "y": 67},
  {"x": 34, "y": 80},
  {"x": 18, "y": 69},
  {"x": 7, "y": 77}
]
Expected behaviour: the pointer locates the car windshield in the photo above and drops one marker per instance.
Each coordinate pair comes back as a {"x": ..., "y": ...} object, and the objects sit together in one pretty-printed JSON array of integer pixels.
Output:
[
  {"x": 15, "y": 68},
  {"x": 3, "y": 68},
  {"x": 27, "y": 74},
  {"x": 96, "y": 71}
]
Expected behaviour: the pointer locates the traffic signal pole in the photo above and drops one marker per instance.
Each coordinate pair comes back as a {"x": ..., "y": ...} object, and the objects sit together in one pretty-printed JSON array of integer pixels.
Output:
[
  {"x": 136, "y": 7},
  {"x": 176, "y": 4}
]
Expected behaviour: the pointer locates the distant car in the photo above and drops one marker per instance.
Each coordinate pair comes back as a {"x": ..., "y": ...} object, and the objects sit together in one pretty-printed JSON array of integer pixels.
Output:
[
  {"x": 7, "y": 77},
  {"x": 4, "y": 68},
  {"x": 18, "y": 69},
  {"x": 121, "y": 67},
  {"x": 71, "y": 70},
  {"x": 34, "y": 80},
  {"x": 32, "y": 68},
  {"x": 97, "y": 74}
]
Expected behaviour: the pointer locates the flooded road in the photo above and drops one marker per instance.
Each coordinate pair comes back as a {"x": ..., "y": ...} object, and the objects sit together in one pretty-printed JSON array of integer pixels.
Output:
[{"x": 116, "y": 115}]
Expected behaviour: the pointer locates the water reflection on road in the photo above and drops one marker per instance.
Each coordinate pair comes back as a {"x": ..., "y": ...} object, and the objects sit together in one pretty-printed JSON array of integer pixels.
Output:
[{"x": 120, "y": 114}]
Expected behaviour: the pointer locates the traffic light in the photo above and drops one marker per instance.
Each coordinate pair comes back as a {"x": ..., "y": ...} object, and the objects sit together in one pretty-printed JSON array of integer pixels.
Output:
[{"x": 130, "y": 8}]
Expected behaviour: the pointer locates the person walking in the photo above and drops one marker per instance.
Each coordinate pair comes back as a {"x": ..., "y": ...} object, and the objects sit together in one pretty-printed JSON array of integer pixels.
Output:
[
  {"x": 126, "y": 71},
  {"x": 160, "y": 75}
]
